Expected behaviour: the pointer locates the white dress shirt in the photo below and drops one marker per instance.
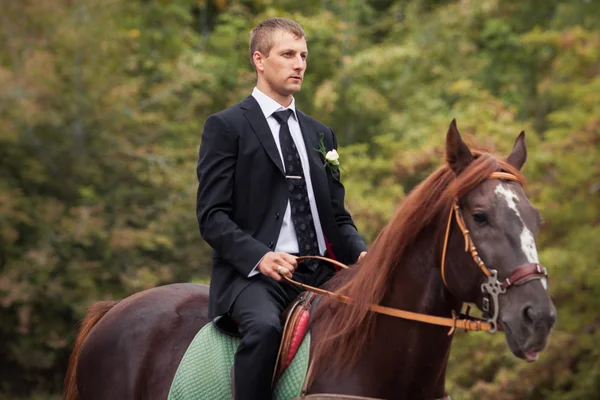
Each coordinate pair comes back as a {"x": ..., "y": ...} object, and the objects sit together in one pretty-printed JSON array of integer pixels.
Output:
[{"x": 287, "y": 241}]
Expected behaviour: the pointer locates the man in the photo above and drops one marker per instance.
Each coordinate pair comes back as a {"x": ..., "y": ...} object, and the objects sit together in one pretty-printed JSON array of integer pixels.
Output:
[{"x": 265, "y": 195}]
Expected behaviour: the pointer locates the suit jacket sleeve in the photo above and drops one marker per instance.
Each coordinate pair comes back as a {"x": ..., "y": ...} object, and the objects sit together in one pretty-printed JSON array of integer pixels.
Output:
[
  {"x": 354, "y": 243},
  {"x": 214, "y": 205}
]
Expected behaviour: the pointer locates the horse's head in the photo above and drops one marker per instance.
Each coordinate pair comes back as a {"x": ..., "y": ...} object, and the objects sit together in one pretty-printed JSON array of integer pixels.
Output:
[{"x": 502, "y": 224}]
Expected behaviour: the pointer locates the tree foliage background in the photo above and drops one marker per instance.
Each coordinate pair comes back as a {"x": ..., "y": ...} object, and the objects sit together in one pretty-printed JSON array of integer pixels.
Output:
[{"x": 102, "y": 103}]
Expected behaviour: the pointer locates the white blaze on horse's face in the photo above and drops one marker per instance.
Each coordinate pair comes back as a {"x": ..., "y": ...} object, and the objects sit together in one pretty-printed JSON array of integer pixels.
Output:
[{"x": 528, "y": 245}]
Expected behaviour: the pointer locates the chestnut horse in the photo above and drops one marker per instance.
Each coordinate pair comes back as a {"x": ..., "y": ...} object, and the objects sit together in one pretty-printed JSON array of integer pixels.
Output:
[{"x": 131, "y": 349}]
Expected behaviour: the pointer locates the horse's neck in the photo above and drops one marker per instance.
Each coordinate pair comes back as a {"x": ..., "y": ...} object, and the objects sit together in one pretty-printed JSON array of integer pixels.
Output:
[{"x": 415, "y": 352}]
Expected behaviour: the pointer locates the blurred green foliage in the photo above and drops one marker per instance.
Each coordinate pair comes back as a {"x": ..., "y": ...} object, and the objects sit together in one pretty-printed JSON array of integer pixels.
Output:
[{"x": 102, "y": 104}]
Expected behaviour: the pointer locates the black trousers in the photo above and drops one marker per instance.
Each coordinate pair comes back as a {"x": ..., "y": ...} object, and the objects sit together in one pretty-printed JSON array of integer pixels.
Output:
[{"x": 256, "y": 311}]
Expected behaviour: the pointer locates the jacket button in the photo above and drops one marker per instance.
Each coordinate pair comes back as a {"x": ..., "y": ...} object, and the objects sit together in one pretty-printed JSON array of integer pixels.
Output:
[
  {"x": 271, "y": 244},
  {"x": 277, "y": 216}
]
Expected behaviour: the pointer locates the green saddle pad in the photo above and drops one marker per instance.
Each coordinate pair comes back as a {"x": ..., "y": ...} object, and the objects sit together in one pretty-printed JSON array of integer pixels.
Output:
[{"x": 204, "y": 370}]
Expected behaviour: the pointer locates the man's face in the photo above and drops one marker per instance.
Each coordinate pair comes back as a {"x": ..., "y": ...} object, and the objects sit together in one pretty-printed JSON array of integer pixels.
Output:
[{"x": 283, "y": 69}]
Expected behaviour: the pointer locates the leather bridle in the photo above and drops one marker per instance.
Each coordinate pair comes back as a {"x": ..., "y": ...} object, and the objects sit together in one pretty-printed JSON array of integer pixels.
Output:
[{"x": 491, "y": 289}]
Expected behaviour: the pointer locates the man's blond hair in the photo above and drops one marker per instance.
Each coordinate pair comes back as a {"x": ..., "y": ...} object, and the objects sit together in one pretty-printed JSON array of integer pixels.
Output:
[{"x": 261, "y": 37}]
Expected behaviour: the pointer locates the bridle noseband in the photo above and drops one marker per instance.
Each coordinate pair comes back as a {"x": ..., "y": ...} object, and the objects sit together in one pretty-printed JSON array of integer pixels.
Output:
[{"x": 493, "y": 287}]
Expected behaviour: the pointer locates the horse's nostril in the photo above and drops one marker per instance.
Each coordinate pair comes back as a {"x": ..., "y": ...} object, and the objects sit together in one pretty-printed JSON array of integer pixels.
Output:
[
  {"x": 529, "y": 315},
  {"x": 538, "y": 318},
  {"x": 552, "y": 317}
]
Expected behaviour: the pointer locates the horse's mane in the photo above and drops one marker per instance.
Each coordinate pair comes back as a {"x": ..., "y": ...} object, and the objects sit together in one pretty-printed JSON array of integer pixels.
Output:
[{"x": 347, "y": 329}]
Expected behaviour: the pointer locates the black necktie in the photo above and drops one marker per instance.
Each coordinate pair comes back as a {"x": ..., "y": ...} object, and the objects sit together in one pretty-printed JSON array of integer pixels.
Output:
[{"x": 298, "y": 194}]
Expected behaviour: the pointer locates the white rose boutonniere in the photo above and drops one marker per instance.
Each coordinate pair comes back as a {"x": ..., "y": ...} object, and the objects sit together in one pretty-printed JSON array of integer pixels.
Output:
[{"x": 331, "y": 157}]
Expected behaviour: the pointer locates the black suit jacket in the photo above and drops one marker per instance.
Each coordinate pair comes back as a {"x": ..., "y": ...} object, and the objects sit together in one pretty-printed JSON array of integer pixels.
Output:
[{"x": 242, "y": 196}]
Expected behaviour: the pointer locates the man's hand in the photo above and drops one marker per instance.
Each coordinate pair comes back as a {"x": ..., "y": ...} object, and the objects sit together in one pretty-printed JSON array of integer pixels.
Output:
[
  {"x": 275, "y": 265},
  {"x": 361, "y": 256}
]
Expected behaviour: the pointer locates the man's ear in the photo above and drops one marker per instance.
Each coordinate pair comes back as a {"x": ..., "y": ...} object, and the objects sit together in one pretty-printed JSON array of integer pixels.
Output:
[
  {"x": 257, "y": 59},
  {"x": 458, "y": 155},
  {"x": 518, "y": 156}
]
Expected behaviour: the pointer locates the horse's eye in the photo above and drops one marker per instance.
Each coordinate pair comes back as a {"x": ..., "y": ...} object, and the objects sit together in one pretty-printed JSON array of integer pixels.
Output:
[{"x": 480, "y": 217}]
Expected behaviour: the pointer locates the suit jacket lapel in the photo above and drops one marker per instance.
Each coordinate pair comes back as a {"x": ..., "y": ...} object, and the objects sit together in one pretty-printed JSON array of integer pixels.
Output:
[
  {"x": 261, "y": 128},
  {"x": 317, "y": 170}
]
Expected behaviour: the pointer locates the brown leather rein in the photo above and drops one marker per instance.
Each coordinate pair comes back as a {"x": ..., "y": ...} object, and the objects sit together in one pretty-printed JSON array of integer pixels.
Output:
[{"x": 492, "y": 288}]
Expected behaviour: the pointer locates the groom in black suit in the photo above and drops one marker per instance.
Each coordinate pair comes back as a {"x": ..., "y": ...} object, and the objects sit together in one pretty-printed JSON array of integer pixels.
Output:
[{"x": 265, "y": 196}]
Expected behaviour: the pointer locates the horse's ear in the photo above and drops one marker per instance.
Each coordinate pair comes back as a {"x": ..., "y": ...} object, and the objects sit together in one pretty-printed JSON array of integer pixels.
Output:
[
  {"x": 458, "y": 154},
  {"x": 519, "y": 153}
]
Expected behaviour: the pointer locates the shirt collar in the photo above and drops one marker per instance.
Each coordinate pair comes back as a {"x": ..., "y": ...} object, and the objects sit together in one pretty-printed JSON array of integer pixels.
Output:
[{"x": 269, "y": 106}]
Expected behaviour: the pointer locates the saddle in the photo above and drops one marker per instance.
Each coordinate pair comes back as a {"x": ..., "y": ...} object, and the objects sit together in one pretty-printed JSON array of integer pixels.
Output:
[
  {"x": 295, "y": 320},
  {"x": 205, "y": 369}
]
